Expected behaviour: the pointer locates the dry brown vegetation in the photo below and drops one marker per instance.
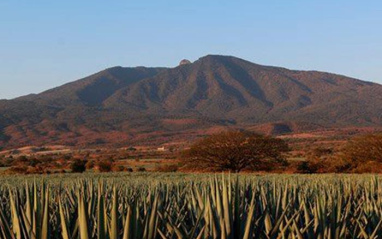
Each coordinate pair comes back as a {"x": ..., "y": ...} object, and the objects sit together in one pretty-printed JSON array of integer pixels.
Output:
[
  {"x": 362, "y": 154},
  {"x": 324, "y": 153},
  {"x": 236, "y": 151},
  {"x": 98, "y": 160}
]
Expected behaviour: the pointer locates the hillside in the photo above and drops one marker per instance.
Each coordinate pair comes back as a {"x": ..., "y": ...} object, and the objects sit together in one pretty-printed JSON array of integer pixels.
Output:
[{"x": 119, "y": 106}]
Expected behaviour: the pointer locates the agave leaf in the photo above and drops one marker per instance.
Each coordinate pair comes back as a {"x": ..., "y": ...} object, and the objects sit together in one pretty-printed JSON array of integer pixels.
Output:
[{"x": 64, "y": 227}]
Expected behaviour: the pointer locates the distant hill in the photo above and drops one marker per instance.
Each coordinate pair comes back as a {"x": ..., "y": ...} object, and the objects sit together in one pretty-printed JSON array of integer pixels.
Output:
[{"x": 121, "y": 106}]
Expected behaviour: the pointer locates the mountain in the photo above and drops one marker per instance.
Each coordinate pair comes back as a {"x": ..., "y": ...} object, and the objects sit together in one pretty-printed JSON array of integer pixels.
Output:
[{"x": 120, "y": 106}]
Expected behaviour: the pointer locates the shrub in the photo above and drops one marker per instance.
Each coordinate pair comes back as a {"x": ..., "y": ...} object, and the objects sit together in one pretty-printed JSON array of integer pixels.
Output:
[
  {"x": 333, "y": 164},
  {"x": 306, "y": 167},
  {"x": 18, "y": 169},
  {"x": 78, "y": 166},
  {"x": 167, "y": 168},
  {"x": 128, "y": 170},
  {"x": 34, "y": 170},
  {"x": 141, "y": 169},
  {"x": 132, "y": 149},
  {"x": 15, "y": 151},
  {"x": 22, "y": 160},
  {"x": 34, "y": 162},
  {"x": 104, "y": 165},
  {"x": 89, "y": 165},
  {"x": 118, "y": 168}
]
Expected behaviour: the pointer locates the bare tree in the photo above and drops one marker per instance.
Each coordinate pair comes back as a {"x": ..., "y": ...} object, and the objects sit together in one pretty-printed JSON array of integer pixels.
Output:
[{"x": 236, "y": 151}]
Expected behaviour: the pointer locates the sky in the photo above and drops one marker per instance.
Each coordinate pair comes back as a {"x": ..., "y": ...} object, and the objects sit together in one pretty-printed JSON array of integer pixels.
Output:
[{"x": 44, "y": 44}]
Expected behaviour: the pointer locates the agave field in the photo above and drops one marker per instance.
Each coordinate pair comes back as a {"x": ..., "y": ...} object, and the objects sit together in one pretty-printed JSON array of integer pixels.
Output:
[{"x": 190, "y": 206}]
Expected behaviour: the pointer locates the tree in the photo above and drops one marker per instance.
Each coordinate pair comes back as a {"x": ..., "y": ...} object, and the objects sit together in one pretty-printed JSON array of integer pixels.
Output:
[
  {"x": 105, "y": 165},
  {"x": 363, "y": 149},
  {"x": 236, "y": 151},
  {"x": 305, "y": 167},
  {"x": 78, "y": 166}
]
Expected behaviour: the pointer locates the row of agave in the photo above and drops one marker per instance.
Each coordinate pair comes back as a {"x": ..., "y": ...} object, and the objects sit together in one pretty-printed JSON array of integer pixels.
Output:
[{"x": 219, "y": 207}]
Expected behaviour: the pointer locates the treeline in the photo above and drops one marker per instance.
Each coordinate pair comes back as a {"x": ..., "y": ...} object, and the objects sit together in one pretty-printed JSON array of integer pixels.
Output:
[
  {"x": 234, "y": 151},
  {"x": 362, "y": 154},
  {"x": 245, "y": 151}
]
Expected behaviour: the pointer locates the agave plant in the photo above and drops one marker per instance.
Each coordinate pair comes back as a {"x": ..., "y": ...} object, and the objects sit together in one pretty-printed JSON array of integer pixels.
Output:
[{"x": 184, "y": 206}]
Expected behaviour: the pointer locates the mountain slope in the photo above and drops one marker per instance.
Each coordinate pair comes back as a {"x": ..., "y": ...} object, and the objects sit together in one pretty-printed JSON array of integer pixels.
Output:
[{"x": 124, "y": 105}]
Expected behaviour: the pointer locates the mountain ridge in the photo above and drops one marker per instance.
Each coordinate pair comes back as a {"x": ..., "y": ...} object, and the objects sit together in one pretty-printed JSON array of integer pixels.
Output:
[{"x": 123, "y": 105}]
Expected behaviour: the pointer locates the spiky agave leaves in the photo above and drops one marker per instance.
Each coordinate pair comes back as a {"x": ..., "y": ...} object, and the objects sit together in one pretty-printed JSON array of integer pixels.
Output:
[{"x": 242, "y": 207}]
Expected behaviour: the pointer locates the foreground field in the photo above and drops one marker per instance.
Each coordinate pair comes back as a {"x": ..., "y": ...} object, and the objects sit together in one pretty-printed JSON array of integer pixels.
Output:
[{"x": 142, "y": 205}]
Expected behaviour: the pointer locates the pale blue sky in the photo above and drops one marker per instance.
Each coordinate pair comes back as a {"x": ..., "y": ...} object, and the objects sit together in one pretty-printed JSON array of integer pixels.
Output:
[{"x": 47, "y": 43}]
